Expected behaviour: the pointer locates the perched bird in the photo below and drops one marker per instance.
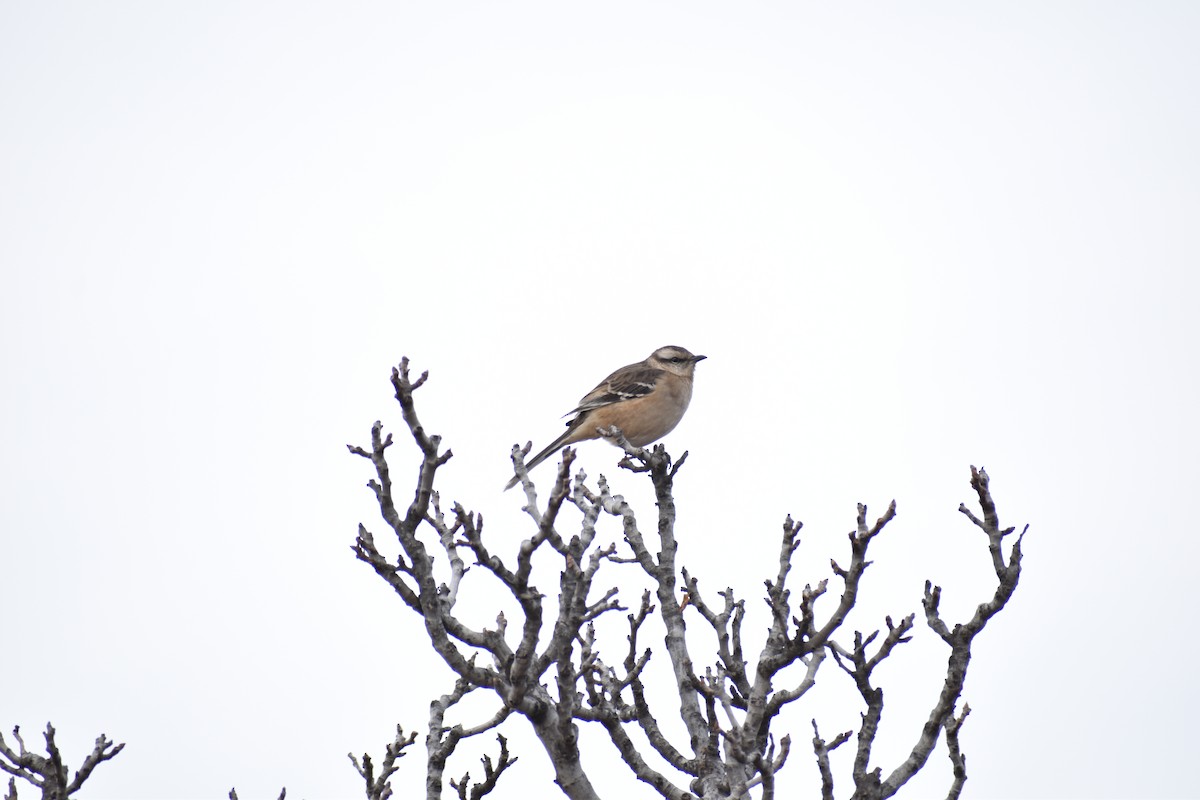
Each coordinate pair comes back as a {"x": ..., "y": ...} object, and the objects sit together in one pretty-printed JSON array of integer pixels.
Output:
[{"x": 645, "y": 400}]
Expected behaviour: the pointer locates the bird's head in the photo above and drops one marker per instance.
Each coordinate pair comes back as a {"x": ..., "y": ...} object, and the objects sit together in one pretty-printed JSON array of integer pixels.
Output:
[{"x": 675, "y": 359}]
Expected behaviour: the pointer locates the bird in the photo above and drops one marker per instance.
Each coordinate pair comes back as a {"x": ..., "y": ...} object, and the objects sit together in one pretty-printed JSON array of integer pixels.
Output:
[{"x": 645, "y": 401}]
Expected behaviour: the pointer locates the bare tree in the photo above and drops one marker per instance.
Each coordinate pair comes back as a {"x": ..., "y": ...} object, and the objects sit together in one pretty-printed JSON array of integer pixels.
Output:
[
  {"x": 552, "y": 670},
  {"x": 48, "y": 773}
]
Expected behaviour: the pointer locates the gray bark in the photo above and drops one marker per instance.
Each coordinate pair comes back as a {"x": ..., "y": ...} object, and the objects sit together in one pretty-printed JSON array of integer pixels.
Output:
[{"x": 730, "y": 706}]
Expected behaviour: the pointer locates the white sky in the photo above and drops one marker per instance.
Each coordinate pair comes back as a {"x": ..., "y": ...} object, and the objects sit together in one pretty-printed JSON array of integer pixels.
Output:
[{"x": 909, "y": 237}]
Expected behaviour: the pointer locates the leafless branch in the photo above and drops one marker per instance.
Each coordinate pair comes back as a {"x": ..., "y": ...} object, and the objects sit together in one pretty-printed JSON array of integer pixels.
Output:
[
  {"x": 48, "y": 773},
  {"x": 379, "y": 787},
  {"x": 234, "y": 796},
  {"x": 859, "y": 664},
  {"x": 961, "y": 637},
  {"x": 957, "y": 759},
  {"x": 515, "y": 674},
  {"x": 491, "y": 774},
  {"x": 823, "y": 749},
  {"x": 441, "y": 741}
]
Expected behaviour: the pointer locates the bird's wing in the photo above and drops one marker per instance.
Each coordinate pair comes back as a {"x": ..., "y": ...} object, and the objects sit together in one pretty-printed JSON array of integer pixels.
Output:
[{"x": 636, "y": 380}]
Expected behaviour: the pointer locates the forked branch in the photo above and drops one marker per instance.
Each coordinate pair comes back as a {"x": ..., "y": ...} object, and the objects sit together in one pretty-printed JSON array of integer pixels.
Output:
[{"x": 49, "y": 773}]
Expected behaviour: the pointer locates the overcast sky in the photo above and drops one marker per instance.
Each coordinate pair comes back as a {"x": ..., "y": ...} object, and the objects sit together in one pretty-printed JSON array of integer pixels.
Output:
[{"x": 910, "y": 238}]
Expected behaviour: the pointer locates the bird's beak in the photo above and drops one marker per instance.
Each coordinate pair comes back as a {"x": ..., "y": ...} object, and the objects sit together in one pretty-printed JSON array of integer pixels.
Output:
[{"x": 698, "y": 358}]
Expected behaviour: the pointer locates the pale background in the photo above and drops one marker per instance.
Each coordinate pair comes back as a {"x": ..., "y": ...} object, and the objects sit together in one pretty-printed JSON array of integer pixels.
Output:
[{"x": 910, "y": 237}]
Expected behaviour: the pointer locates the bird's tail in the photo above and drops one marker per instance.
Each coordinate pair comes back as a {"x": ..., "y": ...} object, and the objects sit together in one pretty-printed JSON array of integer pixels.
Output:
[{"x": 542, "y": 456}]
